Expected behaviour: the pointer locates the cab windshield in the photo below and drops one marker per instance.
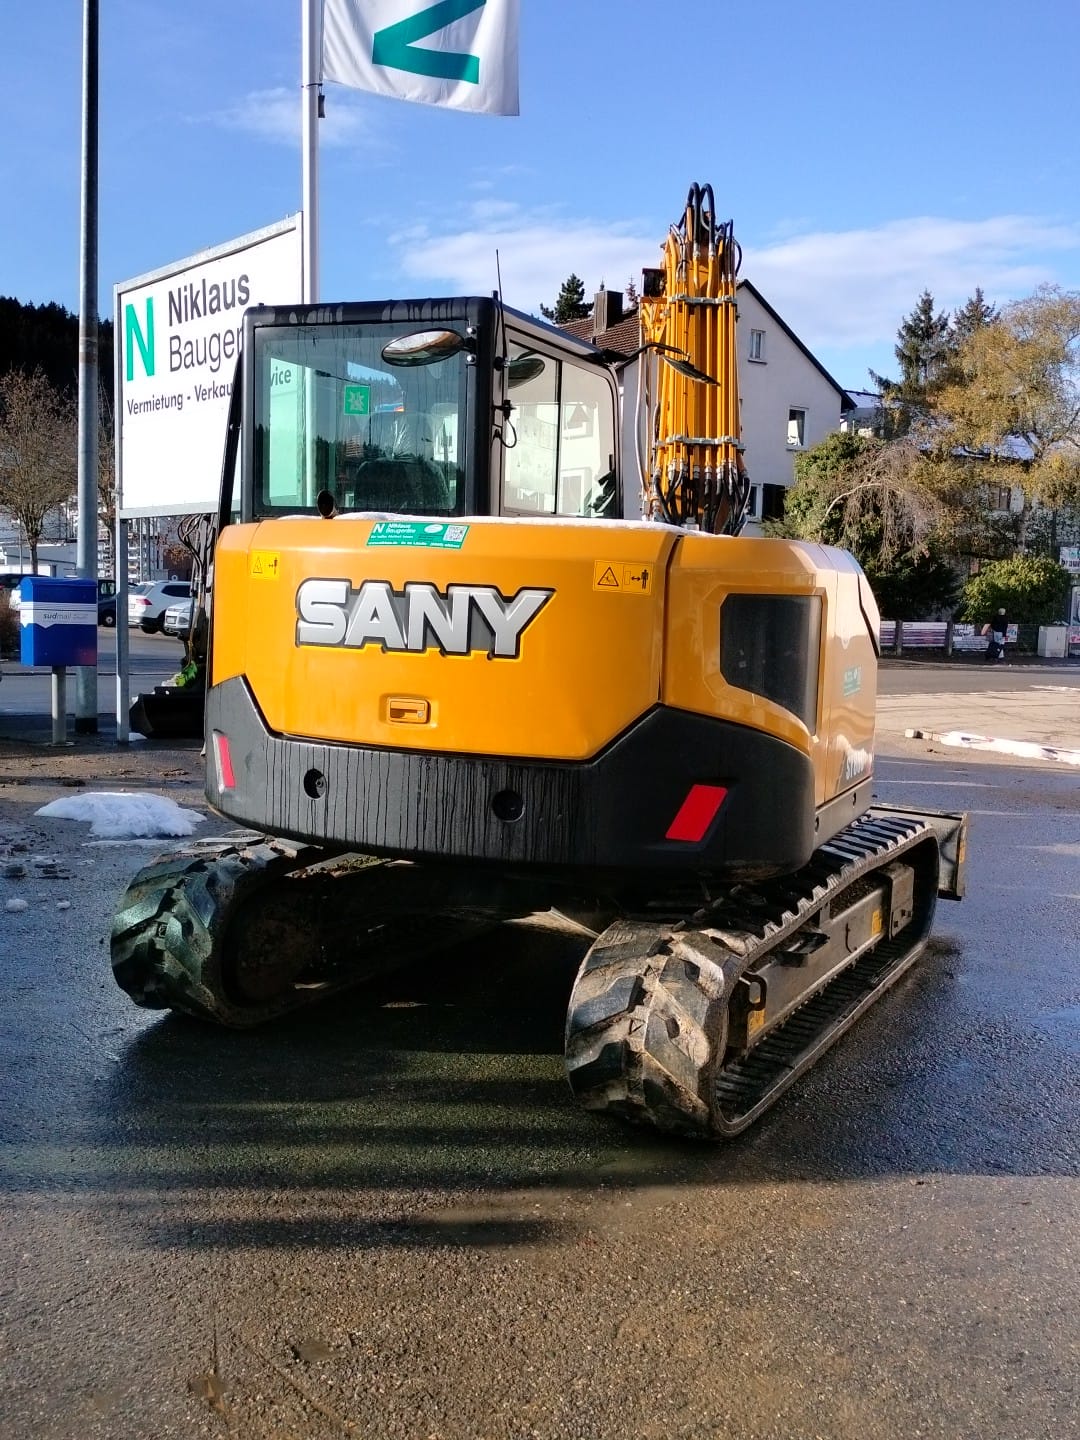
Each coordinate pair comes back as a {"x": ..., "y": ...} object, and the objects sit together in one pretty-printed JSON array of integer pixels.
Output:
[{"x": 332, "y": 414}]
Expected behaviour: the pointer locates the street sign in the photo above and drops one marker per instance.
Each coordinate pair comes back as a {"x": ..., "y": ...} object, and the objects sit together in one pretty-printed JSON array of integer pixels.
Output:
[{"x": 178, "y": 333}]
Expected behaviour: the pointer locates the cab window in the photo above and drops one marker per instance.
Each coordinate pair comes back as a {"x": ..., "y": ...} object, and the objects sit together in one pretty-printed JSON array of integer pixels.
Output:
[
  {"x": 332, "y": 414},
  {"x": 559, "y": 447}
]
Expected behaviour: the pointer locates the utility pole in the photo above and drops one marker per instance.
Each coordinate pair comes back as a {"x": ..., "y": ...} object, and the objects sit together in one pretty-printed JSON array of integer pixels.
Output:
[
  {"x": 86, "y": 702},
  {"x": 310, "y": 110}
]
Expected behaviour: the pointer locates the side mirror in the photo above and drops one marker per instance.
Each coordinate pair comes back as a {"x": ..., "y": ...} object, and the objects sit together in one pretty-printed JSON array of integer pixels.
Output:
[
  {"x": 423, "y": 347},
  {"x": 523, "y": 369}
]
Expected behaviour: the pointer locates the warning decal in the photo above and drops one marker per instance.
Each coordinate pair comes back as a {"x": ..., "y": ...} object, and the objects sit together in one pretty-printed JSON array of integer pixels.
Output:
[
  {"x": 264, "y": 565},
  {"x": 618, "y": 577}
]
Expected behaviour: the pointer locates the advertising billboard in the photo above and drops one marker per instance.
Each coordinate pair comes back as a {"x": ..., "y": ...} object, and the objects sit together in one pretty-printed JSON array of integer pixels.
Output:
[{"x": 178, "y": 333}]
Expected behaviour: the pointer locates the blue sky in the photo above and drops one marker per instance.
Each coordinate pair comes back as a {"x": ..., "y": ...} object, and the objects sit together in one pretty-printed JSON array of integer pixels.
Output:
[{"x": 865, "y": 153}]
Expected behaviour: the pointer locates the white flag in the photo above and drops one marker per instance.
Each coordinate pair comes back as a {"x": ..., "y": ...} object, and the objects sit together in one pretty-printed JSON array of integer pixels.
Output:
[{"x": 460, "y": 53}]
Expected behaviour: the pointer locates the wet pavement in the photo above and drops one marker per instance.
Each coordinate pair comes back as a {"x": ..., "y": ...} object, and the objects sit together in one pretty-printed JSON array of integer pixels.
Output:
[{"x": 387, "y": 1218}]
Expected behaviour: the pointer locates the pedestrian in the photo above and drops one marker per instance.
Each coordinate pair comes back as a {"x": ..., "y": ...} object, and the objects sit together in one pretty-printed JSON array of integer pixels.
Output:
[{"x": 996, "y": 631}]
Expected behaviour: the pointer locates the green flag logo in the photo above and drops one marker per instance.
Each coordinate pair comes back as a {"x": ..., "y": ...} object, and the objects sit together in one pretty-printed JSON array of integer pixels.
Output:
[
  {"x": 135, "y": 335},
  {"x": 395, "y": 47}
]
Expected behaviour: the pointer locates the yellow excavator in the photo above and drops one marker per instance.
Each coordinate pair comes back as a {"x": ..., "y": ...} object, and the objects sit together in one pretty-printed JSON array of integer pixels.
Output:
[{"x": 466, "y": 663}]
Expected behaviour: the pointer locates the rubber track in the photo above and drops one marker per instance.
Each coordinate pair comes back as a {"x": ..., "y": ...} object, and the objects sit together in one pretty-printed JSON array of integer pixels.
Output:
[
  {"x": 168, "y": 934},
  {"x": 194, "y": 924},
  {"x": 647, "y": 1024}
]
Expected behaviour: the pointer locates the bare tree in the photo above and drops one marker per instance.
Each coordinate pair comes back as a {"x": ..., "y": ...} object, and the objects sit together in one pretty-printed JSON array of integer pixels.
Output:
[{"x": 38, "y": 451}]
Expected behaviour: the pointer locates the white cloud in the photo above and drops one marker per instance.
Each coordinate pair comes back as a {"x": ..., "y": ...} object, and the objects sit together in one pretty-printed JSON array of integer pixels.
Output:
[
  {"x": 537, "y": 251},
  {"x": 838, "y": 290},
  {"x": 851, "y": 288},
  {"x": 274, "y": 115}
]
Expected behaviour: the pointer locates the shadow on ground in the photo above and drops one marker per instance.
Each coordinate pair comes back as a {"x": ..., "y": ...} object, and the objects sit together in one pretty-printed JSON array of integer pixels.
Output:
[{"x": 431, "y": 1108}]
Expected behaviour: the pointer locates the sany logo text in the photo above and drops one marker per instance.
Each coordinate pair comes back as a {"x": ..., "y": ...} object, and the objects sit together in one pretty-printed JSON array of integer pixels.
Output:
[{"x": 420, "y": 617}]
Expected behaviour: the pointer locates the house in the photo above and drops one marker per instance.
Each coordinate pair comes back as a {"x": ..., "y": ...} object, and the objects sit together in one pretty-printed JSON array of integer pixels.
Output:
[
  {"x": 789, "y": 400},
  {"x": 865, "y": 415}
]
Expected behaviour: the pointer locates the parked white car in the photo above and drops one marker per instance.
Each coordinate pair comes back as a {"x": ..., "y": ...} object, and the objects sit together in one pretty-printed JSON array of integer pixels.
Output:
[
  {"x": 147, "y": 603},
  {"x": 177, "y": 619}
]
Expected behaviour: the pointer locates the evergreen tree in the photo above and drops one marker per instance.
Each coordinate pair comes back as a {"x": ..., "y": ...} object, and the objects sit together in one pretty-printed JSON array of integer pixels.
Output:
[
  {"x": 972, "y": 316},
  {"x": 46, "y": 338},
  {"x": 570, "y": 304},
  {"x": 970, "y": 320},
  {"x": 923, "y": 346},
  {"x": 923, "y": 352}
]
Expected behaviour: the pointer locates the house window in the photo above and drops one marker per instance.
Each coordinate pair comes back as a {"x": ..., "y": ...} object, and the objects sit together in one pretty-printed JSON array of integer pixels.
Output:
[
  {"x": 772, "y": 502},
  {"x": 796, "y": 428},
  {"x": 757, "y": 345},
  {"x": 1003, "y": 499}
]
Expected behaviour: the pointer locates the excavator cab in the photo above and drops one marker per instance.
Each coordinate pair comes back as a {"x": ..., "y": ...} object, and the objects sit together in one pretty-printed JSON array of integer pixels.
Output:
[{"x": 422, "y": 408}]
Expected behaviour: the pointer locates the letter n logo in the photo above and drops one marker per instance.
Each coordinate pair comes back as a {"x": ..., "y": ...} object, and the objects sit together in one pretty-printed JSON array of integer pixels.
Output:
[{"x": 136, "y": 335}]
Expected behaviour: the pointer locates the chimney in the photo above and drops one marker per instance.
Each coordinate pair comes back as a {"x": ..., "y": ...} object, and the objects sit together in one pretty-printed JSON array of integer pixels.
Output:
[{"x": 607, "y": 310}]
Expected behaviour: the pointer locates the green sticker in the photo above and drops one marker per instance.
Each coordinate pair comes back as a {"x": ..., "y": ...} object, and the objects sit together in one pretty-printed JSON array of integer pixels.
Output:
[
  {"x": 431, "y": 535},
  {"x": 853, "y": 680},
  {"x": 356, "y": 399}
]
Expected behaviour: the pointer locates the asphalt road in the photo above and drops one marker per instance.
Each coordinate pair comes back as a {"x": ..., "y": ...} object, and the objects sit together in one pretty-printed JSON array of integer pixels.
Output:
[
  {"x": 153, "y": 659},
  {"x": 387, "y": 1218}
]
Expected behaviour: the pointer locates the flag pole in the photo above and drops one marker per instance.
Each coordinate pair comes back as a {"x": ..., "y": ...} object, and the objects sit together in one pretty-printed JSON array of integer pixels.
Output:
[
  {"x": 86, "y": 694},
  {"x": 310, "y": 68}
]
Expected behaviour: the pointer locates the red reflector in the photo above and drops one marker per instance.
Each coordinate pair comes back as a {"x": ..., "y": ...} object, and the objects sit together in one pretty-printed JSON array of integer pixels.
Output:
[
  {"x": 226, "y": 778},
  {"x": 696, "y": 813}
]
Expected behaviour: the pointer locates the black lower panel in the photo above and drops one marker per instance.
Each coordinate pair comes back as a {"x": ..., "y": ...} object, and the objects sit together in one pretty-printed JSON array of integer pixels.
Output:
[{"x": 609, "y": 813}]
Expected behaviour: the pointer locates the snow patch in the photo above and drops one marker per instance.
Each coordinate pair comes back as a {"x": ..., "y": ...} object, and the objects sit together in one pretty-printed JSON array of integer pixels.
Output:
[
  {"x": 118, "y": 815},
  {"x": 1026, "y": 749}
]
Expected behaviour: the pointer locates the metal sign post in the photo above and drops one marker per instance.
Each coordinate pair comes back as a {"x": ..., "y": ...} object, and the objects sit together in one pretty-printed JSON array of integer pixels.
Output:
[{"x": 59, "y": 705}]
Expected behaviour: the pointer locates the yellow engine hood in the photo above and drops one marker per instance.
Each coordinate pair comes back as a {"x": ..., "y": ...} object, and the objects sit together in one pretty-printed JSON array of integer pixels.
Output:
[{"x": 527, "y": 638}]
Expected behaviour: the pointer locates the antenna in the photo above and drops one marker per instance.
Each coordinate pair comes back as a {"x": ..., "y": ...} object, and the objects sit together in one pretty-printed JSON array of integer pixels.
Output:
[{"x": 502, "y": 317}]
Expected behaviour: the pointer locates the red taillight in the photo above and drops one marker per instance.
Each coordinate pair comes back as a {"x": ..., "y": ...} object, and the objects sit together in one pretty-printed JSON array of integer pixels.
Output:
[
  {"x": 696, "y": 813},
  {"x": 226, "y": 778}
]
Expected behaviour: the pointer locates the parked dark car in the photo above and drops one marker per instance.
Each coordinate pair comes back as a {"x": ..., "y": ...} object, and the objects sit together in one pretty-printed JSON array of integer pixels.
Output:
[
  {"x": 106, "y": 602},
  {"x": 11, "y": 582}
]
